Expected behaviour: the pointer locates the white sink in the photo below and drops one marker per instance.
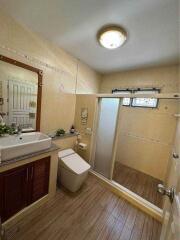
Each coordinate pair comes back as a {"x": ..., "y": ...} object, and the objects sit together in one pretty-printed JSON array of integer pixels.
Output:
[{"x": 19, "y": 145}]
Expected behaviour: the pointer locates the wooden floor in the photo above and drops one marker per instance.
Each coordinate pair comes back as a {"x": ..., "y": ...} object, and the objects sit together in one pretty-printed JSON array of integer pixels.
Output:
[
  {"x": 93, "y": 213},
  {"x": 138, "y": 182}
]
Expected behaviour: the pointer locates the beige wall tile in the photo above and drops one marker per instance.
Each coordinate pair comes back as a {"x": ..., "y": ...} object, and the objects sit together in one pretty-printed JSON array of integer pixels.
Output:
[
  {"x": 58, "y": 107},
  {"x": 146, "y": 135},
  {"x": 85, "y": 101},
  {"x": 165, "y": 78}
]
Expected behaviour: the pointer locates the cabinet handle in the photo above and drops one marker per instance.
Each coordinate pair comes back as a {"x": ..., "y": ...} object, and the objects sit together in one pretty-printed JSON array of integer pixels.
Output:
[
  {"x": 32, "y": 173},
  {"x": 27, "y": 174}
]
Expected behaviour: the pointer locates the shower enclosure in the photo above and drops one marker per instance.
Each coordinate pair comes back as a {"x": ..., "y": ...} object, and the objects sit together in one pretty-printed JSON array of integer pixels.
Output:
[{"x": 133, "y": 144}]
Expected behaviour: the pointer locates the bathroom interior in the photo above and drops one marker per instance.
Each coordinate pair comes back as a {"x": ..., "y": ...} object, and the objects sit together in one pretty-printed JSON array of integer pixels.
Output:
[{"x": 89, "y": 131}]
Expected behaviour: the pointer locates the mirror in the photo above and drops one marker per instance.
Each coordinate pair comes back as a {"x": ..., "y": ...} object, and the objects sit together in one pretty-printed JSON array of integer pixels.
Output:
[{"x": 20, "y": 94}]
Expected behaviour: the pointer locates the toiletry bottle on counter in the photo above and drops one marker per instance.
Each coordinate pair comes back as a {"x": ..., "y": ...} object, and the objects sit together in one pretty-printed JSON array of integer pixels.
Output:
[{"x": 72, "y": 130}]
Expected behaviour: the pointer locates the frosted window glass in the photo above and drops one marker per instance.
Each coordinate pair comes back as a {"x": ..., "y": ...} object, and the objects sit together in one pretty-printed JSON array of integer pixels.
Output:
[
  {"x": 126, "y": 101},
  {"x": 145, "y": 102},
  {"x": 105, "y": 135}
]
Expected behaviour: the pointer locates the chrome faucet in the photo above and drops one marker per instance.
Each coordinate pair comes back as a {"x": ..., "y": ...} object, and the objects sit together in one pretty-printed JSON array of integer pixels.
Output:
[
  {"x": 1, "y": 119},
  {"x": 17, "y": 127}
]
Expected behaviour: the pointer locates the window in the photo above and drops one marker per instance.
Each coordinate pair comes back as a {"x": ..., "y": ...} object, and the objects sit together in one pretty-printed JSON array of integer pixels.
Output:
[
  {"x": 145, "y": 102},
  {"x": 138, "y": 102},
  {"x": 126, "y": 101}
]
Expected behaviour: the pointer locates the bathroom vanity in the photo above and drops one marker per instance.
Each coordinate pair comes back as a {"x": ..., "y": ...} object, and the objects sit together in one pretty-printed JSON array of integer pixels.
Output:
[
  {"x": 26, "y": 182},
  {"x": 28, "y": 160}
]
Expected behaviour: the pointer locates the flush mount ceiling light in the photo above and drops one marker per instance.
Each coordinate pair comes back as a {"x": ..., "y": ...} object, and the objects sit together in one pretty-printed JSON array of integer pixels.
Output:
[{"x": 112, "y": 37}]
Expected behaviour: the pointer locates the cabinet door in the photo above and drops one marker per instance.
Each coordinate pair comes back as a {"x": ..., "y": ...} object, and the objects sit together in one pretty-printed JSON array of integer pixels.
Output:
[
  {"x": 40, "y": 178},
  {"x": 15, "y": 191}
]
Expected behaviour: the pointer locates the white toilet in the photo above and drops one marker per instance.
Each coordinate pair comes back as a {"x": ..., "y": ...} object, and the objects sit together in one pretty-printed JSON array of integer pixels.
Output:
[{"x": 72, "y": 170}]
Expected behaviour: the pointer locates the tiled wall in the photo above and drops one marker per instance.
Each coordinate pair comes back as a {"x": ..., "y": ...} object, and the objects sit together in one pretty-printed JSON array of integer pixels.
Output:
[
  {"x": 58, "y": 91},
  {"x": 146, "y": 135}
]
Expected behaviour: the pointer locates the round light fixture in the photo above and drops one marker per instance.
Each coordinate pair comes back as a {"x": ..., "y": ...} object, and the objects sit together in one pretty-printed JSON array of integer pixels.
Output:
[{"x": 112, "y": 37}]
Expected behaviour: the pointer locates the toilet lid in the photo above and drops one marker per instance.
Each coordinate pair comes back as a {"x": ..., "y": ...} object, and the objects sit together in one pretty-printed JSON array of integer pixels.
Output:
[
  {"x": 75, "y": 163},
  {"x": 65, "y": 152}
]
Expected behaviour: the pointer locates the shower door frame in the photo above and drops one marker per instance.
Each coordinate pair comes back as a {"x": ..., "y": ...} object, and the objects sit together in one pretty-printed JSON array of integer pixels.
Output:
[
  {"x": 117, "y": 188},
  {"x": 94, "y": 137}
]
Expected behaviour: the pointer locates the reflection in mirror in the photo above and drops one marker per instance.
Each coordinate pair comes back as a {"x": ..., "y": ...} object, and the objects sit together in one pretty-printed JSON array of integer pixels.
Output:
[{"x": 18, "y": 96}]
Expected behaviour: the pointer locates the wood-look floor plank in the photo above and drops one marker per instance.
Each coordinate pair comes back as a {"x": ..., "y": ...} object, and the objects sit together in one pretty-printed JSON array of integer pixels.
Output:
[
  {"x": 138, "y": 226},
  {"x": 147, "y": 229},
  {"x": 138, "y": 182},
  {"x": 107, "y": 228},
  {"x": 156, "y": 230},
  {"x": 70, "y": 214},
  {"x": 94, "y": 213},
  {"x": 50, "y": 215},
  {"x": 85, "y": 223},
  {"x": 79, "y": 219},
  {"x": 116, "y": 230},
  {"x": 129, "y": 224}
]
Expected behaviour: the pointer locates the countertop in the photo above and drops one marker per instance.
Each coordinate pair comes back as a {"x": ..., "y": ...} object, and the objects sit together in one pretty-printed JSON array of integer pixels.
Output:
[
  {"x": 53, "y": 147},
  {"x": 66, "y": 135}
]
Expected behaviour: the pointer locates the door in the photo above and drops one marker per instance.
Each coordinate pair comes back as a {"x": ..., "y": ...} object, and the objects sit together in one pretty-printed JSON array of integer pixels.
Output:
[
  {"x": 40, "y": 178},
  {"x": 171, "y": 218},
  {"x": 108, "y": 112},
  {"x": 22, "y": 97},
  {"x": 14, "y": 191}
]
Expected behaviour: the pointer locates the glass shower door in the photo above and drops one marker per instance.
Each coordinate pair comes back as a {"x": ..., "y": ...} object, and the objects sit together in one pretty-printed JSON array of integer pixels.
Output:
[{"x": 108, "y": 113}]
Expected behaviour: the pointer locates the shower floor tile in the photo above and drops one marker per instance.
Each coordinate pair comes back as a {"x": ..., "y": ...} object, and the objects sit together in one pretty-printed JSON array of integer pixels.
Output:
[{"x": 138, "y": 182}]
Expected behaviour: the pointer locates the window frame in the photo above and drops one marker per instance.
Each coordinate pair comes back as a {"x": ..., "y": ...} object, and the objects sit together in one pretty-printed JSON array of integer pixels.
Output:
[
  {"x": 114, "y": 91},
  {"x": 146, "y": 90},
  {"x": 134, "y": 91}
]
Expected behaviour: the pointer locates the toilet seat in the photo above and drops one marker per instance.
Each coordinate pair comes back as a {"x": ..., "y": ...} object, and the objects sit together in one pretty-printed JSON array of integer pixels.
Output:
[{"x": 74, "y": 163}]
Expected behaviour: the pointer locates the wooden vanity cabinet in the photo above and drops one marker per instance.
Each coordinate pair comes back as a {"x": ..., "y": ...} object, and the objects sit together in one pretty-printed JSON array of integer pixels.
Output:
[
  {"x": 21, "y": 186},
  {"x": 14, "y": 191},
  {"x": 40, "y": 179}
]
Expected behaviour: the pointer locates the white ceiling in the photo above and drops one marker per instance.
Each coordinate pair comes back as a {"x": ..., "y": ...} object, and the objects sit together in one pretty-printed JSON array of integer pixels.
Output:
[{"x": 152, "y": 26}]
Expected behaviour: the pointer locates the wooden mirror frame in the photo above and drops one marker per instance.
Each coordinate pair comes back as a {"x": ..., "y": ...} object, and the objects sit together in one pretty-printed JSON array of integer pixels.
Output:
[{"x": 39, "y": 93}]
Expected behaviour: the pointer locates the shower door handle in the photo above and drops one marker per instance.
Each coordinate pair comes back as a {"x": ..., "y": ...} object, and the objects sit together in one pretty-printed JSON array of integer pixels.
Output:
[
  {"x": 175, "y": 155},
  {"x": 166, "y": 191}
]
